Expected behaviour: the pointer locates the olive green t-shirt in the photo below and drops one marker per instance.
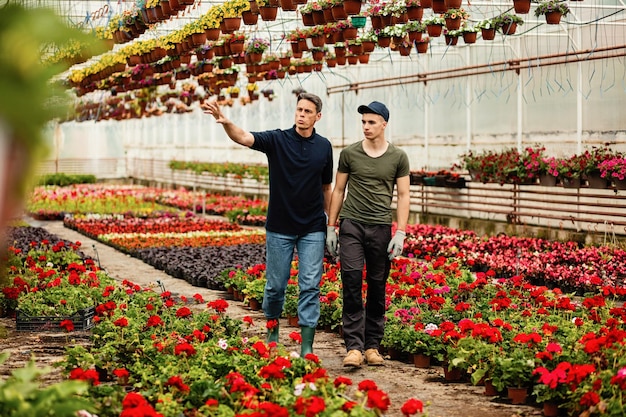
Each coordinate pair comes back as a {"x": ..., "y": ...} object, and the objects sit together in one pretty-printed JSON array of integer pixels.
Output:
[{"x": 371, "y": 182}]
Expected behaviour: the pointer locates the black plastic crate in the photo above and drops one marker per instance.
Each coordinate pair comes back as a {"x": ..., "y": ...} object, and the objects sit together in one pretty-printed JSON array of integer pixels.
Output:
[{"x": 83, "y": 320}]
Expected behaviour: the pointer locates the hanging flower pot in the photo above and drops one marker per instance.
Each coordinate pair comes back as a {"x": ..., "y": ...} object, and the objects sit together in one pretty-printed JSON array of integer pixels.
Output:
[
  {"x": 453, "y": 24},
  {"x": 422, "y": 46},
  {"x": 509, "y": 28},
  {"x": 469, "y": 37},
  {"x": 405, "y": 49},
  {"x": 352, "y": 7},
  {"x": 453, "y": 4},
  {"x": 307, "y": 19},
  {"x": 521, "y": 6},
  {"x": 415, "y": 13},
  {"x": 553, "y": 18},
  {"x": 384, "y": 41},
  {"x": 288, "y": 5},
  {"x": 212, "y": 34},
  {"x": 451, "y": 40},
  {"x": 434, "y": 31},
  {"x": 338, "y": 12},
  {"x": 268, "y": 13},
  {"x": 488, "y": 34},
  {"x": 439, "y": 6},
  {"x": 318, "y": 17},
  {"x": 230, "y": 24},
  {"x": 249, "y": 18}
]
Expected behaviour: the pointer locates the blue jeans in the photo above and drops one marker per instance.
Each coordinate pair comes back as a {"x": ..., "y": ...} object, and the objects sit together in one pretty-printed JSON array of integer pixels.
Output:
[{"x": 279, "y": 255}]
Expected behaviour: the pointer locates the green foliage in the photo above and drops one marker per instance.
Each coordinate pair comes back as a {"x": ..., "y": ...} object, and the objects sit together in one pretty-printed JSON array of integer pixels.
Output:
[
  {"x": 28, "y": 98},
  {"x": 21, "y": 395},
  {"x": 62, "y": 179},
  {"x": 256, "y": 172}
]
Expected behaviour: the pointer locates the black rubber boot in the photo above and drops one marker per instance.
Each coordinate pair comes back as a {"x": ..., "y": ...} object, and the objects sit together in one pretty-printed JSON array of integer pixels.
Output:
[{"x": 308, "y": 334}]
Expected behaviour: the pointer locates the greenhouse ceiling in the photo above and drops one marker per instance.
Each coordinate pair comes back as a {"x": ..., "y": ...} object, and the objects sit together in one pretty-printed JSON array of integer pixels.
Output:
[{"x": 592, "y": 30}]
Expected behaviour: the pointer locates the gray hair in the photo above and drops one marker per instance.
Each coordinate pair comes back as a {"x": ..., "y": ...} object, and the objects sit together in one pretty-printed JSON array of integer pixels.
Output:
[{"x": 313, "y": 99}]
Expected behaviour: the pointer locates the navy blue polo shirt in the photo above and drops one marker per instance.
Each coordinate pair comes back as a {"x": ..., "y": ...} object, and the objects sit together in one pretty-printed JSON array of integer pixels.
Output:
[{"x": 298, "y": 167}]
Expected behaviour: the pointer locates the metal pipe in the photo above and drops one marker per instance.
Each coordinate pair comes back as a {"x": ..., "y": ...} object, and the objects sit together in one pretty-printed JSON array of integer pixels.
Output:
[{"x": 508, "y": 65}]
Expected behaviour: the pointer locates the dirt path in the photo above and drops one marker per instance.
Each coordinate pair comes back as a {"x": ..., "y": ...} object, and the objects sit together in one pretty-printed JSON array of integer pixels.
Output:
[{"x": 400, "y": 380}]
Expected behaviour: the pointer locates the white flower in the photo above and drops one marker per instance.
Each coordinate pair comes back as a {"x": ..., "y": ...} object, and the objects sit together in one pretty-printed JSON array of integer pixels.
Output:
[
  {"x": 430, "y": 327},
  {"x": 222, "y": 343}
]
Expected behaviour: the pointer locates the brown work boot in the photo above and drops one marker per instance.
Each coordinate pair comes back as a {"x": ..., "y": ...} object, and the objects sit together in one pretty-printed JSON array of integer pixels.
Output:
[
  {"x": 373, "y": 357},
  {"x": 353, "y": 359}
]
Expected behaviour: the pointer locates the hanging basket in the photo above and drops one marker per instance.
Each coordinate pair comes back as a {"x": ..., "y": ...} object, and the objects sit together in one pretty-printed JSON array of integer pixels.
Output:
[
  {"x": 268, "y": 13},
  {"x": 553, "y": 18},
  {"x": 358, "y": 21}
]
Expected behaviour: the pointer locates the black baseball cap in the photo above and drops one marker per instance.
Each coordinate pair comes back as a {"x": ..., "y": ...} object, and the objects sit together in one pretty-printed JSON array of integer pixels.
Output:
[{"x": 375, "y": 107}]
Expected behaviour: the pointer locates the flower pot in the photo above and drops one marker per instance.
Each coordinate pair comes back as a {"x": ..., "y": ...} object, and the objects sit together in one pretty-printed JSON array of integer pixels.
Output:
[
  {"x": 594, "y": 180},
  {"x": 452, "y": 375},
  {"x": 439, "y": 6},
  {"x": 453, "y": 24},
  {"x": 551, "y": 409},
  {"x": 293, "y": 321},
  {"x": 307, "y": 19},
  {"x": 249, "y": 18},
  {"x": 254, "y": 304},
  {"x": 422, "y": 47},
  {"x": 553, "y": 18},
  {"x": 212, "y": 34},
  {"x": 415, "y": 13},
  {"x": 434, "y": 31},
  {"x": 384, "y": 41},
  {"x": 469, "y": 37},
  {"x": 339, "y": 13},
  {"x": 490, "y": 390},
  {"x": 352, "y": 7},
  {"x": 268, "y": 13},
  {"x": 230, "y": 24},
  {"x": 451, "y": 40},
  {"x": 570, "y": 182},
  {"x": 517, "y": 395},
  {"x": 453, "y": 4},
  {"x": 509, "y": 28},
  {"x": 619, "y": 184},
  {"x": 488, "y": 34},
  {"x": 421, "y": 361},
  {"x": 288, "y": 5},
  {"x": 521, "y": 6},
  {"x": 547, "y": 180}
]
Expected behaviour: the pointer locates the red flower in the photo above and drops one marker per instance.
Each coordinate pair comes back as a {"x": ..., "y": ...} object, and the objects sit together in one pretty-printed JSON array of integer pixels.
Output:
[
  {"x": 296, "y": 337},
  {"x": 121, "y": 373},
  {"x": 154, "y": 321},
  {"x": 68, "y": 325},
  {"x": 248, "y": 320},
  {"x": 184, "y": 349},
  {"x": 342, "y": 380},
  {"x": 183, "y": 312},
  {"x": 219, "y": 306},
  {"x": 211, "y": 402},
  {"x": 367, "y": 385},
  {"x": 309, "y": 407},
  {"x": 589, "y": 399},
  {"x": 378, "y": 399},
  {"x": 177, "y": 382},
  {"x": 271, "y": 324},
  {"x": 121, "y": 322},
  {"x": 412, "y": 406},
  {"x": 198, "y": 298}
]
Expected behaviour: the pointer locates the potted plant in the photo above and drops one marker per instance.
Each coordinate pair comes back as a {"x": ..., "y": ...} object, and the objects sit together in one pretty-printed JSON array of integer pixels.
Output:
[
  {"x": 469, "y": 33},
  {"x": 508, "y": 23},
  {"x": 553, "y": 10},
  {"x": 614, "y": 169},
  {"x": 514, "y": 371},
  {"x": 434, "y": 25},
  {"x": 487, "y": 28},
  {"x": 454, "y": 18}
]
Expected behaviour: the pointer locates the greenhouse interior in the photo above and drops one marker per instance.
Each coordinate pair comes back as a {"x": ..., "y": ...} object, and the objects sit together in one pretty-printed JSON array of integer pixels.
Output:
[{"x": 517, "y": 207}]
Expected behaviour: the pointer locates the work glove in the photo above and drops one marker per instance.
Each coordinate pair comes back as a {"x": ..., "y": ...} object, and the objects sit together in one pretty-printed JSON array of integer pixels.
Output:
[
  {"x": 331, "y": 240},
  {"x": 396, "y": 245}
]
